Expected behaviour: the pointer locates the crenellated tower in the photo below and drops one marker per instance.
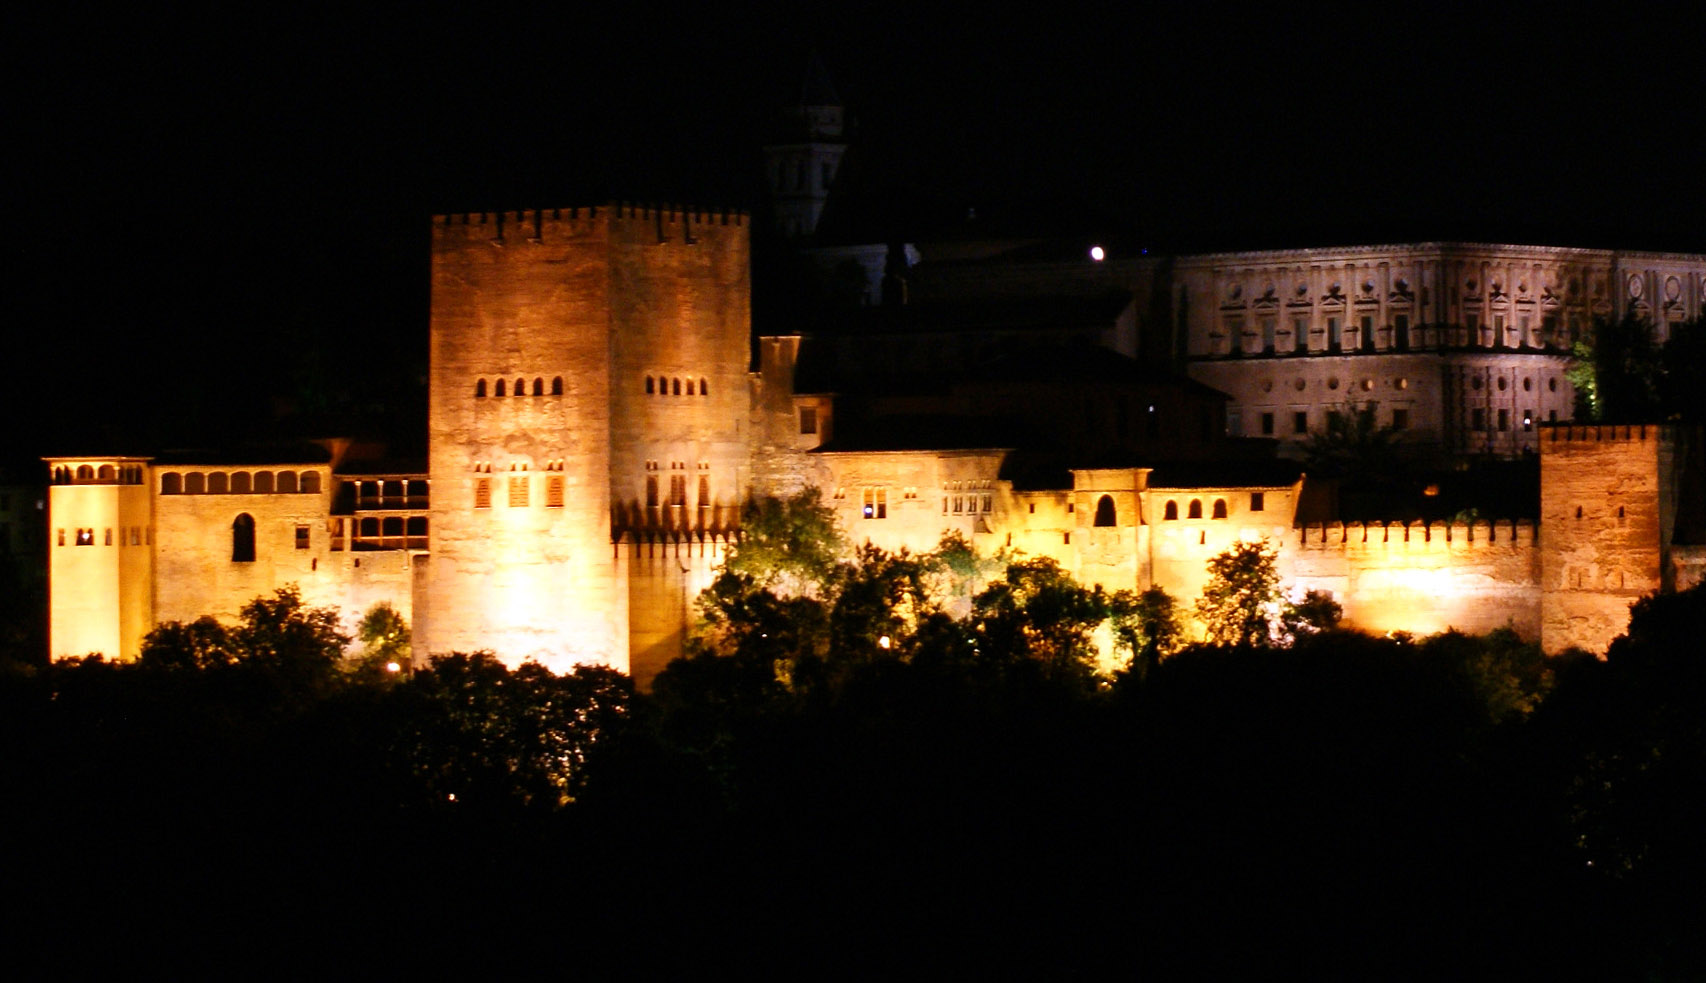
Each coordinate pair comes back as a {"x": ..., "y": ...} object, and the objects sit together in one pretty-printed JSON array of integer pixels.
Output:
[
  {"x": 588, "y": 390},
  {"x": 100, "y": 556}
]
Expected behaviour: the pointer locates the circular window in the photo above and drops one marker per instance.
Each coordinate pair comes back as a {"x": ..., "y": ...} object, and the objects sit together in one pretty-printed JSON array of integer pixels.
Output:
[
  {"x": 1552, "y": 385},
  {"x": 1522, "y": 287},
  {"x": 1368, "y": 286},
  {"x": 1333, "y": 383},
  {"x": 1299, "y": 384},
  {"x": 1673, "y": 288},
  {"x": 1302, "y": 289},
  {"x": 1469, "y": 285},
  {"x": 1475, "y": 383},
  {"x": 1401, "y": 383},
  {"x": 1367, "y": 385},
  {"x": 1527, "y": 385},
  {"x": 1403, "y": 285},
  {"x": 1502, "y": 383},
  {"x": 1635, "y": 286}
]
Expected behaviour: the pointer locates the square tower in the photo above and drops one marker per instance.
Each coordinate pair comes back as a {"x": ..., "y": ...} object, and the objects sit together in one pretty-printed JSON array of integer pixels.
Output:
[{"x": 588, "y": 379}]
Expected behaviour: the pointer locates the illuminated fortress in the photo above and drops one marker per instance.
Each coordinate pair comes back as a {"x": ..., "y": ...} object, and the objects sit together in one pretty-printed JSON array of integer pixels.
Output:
[{"x": 598, "y": 414}]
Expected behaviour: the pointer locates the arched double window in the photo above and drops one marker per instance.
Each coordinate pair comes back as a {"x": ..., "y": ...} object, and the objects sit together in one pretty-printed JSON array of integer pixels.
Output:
[
  {"x": 243, "y": 539},
  {"x": 1105, "y": 511}
]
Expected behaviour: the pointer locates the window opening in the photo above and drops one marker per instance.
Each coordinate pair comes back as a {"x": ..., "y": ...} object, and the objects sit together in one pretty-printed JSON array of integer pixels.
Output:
[
  {"x": 1104, "y": 511},
  {"x": 1171, "y": 512},
  {"x": 1195, "y": 510},
  {"x": 243, "y": 539},
  {"x": 1220, "y": 508}
]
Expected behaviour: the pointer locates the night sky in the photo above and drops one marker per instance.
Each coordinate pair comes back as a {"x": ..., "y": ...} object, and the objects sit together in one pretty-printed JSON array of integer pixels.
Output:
[{"x": 219, "y": 216}]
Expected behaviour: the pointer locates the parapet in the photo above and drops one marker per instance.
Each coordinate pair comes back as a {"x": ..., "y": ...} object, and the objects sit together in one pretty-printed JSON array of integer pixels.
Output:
[
  {"x": 1603, "y": 433},
  {"x": 1418, "y": 536},
  {"x": 540, "y": 224}
]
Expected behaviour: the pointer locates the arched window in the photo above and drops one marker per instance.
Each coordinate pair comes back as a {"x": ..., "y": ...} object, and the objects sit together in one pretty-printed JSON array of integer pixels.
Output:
[
  {"x": 263, "y": 482},
  {"x": 538, "y": 386},
  {"x": 649, "y": 389},
  {"x": 243, "y": 539},
  {"x": 703, "y": 387},
  {"x": 1220, "y": 508},
  {"x": 1172, "y": 511},
  {"x": 240, "y": 483},
  {"x": 171, "y": 483},
  {"x": 1195, "y": 511},
  {"x": 218, "y": 483},
  {"x": 311, "y": 482},
  {"x": 287, "y": 482},
  {"x": 480, "y": 389},
  {"x": 557, "y": 386},
  {"x": 85, "y": 473},
  {"x": 1105, "y": 511},
  {"x": 676, "y": 388},
  {"x": 106, "y": 473},
  {"x": 498, "y": 388},
  {"x": 521, "y": 387},
  {"x": 195, "y": 483}
]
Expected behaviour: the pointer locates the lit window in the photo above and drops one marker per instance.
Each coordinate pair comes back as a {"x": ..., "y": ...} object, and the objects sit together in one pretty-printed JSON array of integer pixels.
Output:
[
  {"x": 85, "y": 537},
  {"x": 483, "y": 493},
  {"x": 876, "y": 503},
  {"x": 518, "y": 491},
  {"x": 554, "y": 492}
]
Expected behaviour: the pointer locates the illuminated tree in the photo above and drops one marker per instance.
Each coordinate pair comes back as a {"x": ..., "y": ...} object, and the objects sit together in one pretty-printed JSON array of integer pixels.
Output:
[
  {"x": 1242, "y": 601},
  {"x": 1146, "y": 627},
  {"x": 1038, "y": 612},
  {"x": 277, "y": 635},
  {"x": 789, "y": 544},
  {"x": 385, "y": 638}
]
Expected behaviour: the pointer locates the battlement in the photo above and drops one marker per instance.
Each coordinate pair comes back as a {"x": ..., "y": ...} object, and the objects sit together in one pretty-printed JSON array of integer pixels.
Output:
[
  {"x": 538, "y": 224},
  {"x": 1604, "y": 433},
  {"x": 1418, "y": 537}
]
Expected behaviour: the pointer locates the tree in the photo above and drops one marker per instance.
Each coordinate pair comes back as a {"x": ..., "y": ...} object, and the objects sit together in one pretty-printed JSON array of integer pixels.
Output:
[
  {"x": 791, "y": 544},
  {"x": 1353, "y": 446},
  {"x": 1316, "y": 612},
  {"x": 1038, "y": 612},
  {"x": 275, "y": 635},
  {"x": 385, "y": 638},
  {"x": 1617, "y": 371},
  {"x": 1242, "y": 601},
  {"x": 1146, "y": 627}
]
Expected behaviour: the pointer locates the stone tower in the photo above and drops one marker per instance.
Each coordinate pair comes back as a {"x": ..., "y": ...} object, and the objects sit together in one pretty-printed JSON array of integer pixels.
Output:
[
  {"x": 1608, "y": 507},
  {"x": 101, "y": 580},
  {"x": 588, "y": 385},
  {"x": 801, "y": 166}
]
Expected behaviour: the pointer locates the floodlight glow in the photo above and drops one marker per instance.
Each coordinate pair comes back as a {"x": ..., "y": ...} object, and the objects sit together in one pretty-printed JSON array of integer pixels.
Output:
[{"x": 1097, "y": 253}]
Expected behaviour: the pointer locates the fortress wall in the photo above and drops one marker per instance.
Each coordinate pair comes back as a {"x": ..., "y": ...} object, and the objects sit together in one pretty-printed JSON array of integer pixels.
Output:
[
  {"x": 665, "y": 577},
  {"x": 1421, "y": 578},
  {"x": 780, "y": 463},
  {"x": 194, "y": 571}
]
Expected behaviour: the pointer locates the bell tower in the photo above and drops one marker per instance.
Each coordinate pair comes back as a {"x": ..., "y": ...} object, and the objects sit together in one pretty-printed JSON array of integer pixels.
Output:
[{"x": 803, "y": 163}]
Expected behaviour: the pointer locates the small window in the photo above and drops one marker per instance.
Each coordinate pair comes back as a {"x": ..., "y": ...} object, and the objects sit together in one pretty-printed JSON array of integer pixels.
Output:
[
  {"x": 1300, "y": 422},
  {"x": 85, "y": 537},
  {"x": 1066, "y": 538},
  {"x": 1195, "y": 510},
  {"x": 498, "y": 388},
  {"x": 1104, "y": 511},
  {"x": 109, "y": 531},
  {"x": 557, "y": 386},
  {"x": 218, "y": 483},
  {"x": 1171, "y": 512},
  {"x": 287, "y": 482},
  {"x": 1400, "y": 419},
  {"x": 310, "y": 482},
  {"x": 675, "y": 387},
  {"x": 518, "y": 491},
  {"x": 195, "y": 483},
  {"x": 808, "y": 419},
  {"x": 1220, "y": 508},
  {"x": 243, "y": 539},
  {"x": 554, "y": 492},
  {"x": 704, "y": 387},
  {"x": 480, "y": 389},
  {"x": 483, "y": 493},
  {"x": 1267, "y": 424},
  {"x": 649, "y": 387},
  {"x": 1258, "y": 501},
  {"x": 85, "y": 473},
  {"x": 302, "y": 537},
  {"x": 538, "y": 387},
  {"x": 62, "y": 537},
  {"x": 521, "y": 387},
  {"x": 171, "y": 483},
  {"x": 876, "y": 503}
]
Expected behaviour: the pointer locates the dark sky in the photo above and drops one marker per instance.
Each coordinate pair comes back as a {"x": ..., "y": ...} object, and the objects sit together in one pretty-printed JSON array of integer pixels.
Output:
[{"x": 224, "y": 208}]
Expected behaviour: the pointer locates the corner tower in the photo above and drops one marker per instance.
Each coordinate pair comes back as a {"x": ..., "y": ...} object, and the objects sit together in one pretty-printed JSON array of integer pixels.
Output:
[
  {"x": 580, "y": 358},
  {"x": 802, "y": 164}
]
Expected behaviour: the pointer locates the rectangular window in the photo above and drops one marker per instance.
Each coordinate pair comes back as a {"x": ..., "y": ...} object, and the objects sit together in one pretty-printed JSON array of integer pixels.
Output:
[
  {"x": 109, "y": 539},
  {"x": 1333, "y": 332},
  {"x": 1335, "y": 421},
  {"x": 1401, "y": 332},
  {"x": 1523, "y": 323},
  {"x": 302, "y": 537},
  {"x": 1267, "y": 424},
  {"x": 1472, "y": 322},
  {"x": 1234, "y": 423},
  {"x": 1478, "y": 419},
  {"x": 1528, "y": 419},
  {"x": 1367, "y": 338},
  {"x": 1498, "y": 331},
  {"x": 1270, "y": 327},
  {"x": 651, "y": 491},
  {"x": 1300, "y": 421},
  {"x": 1504, "y": 419},
  {"x": 554, "y": 492},
  {"x": 876, "y": 503},
  {"x": 986, "y": 501},
  {"x": 808, "y": 419},
  {"x": 1400, "y": 419},
  {"x": 1258, "y": 501},
  {"x": 518, "y": 491},
  {"x": 678, "y": 490},
  {"x": 1299, "y": 334},
  {"x": 62, "y": 537},
  {"x": 483, "y": 493},
  {"x": 1235, "y": 335},
  {"x": 1551, "y": 416}
]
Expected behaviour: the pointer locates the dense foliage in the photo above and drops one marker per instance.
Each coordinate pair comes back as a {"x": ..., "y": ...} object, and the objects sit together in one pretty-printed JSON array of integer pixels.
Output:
[{"x": 976, "y": 795}]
